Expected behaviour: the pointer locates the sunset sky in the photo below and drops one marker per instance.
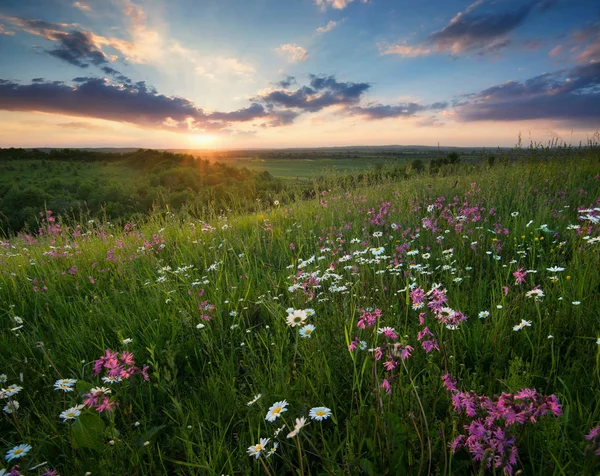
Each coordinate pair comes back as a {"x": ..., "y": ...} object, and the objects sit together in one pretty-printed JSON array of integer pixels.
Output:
[{"x": 297, "y": 73}]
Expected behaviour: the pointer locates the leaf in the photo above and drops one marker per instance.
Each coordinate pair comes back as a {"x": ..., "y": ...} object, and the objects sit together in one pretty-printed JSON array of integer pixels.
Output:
[
  {"x": 367, "y": 466},
  {"x": 83, "y": 387},
  {"x": 87, "y": 431},
  {"x": 150, "y": 435}
]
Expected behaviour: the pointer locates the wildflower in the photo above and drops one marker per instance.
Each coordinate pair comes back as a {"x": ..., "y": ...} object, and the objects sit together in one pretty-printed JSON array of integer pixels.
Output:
[
  {"x": 307, "y": 330},
  {"x": 71, "y": 413},
  {"x": 319, "y": 413},
  {"x": 576, "y": 303},
  {"x": 65, "y": 384},
  {"x": 296, "y": 318},
  {"x": 522, "y": 325},
  {"x": 11, "y": 391},
  {"x": 555, "y": 269},
  {"x": 276, "y": 410},
  {"x": 520, "y": 274},
  {"x": 386, "y": 386},
  {"x": 389, "y": 332},
  {"x": 278, "y": 430},
  {"x": 484, "y": 314},
  {"x": 254, "y": 400},
  {"x": 255, "y": 450},
  {"x": 377, "y": 251},
  {"x": 273, "y": 450},
  {"x": 17, "y": 452},
  {"x": 300, "y": 423},
  {"x": 377, "y": 234},
  {"x": 200, "y": 326},
  {"x": 535, "y": 292},
  {"x": 11, "y": 406},
  {"x": 3, "y": 378},
  {"x": 129, "y": 340}
]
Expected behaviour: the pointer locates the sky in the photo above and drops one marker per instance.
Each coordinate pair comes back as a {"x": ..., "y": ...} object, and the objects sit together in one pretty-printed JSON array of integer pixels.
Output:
[{"x": 298, "y": 73}]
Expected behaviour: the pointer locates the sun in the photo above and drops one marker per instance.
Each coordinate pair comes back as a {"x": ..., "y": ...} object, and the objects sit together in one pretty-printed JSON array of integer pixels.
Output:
[{"x": 204, "y": 139}]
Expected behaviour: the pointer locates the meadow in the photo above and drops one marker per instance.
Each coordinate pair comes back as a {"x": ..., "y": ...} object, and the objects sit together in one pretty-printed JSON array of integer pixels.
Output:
[{"x": 431, "y": 324}]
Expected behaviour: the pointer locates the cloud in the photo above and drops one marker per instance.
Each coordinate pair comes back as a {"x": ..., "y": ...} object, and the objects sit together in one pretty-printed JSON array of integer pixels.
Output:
[
  {"x": 337, "y": 4},
  {"x": 330, "y": 26},
  {"x": 581, "y": 46},
  {"x": 254, "y": 111},
  {"x": 213, "y": 68},
  {"x": 81, "y": 125},
  {"x": 293, "y": 52},
  {"x": 287, "y": 82},
  {"x": 4, "y": 32},
  {"x": 571, "y": 96},
  {"x": 135, "y": 103},
  {"x": 471, "y": 31},
  {"x": 381, "y": 111},
  {"x": 404, "y": 50},
  {"x": 323, "y": 91},
  {"x": 83, "y": 6},
  {"x": 78, "y": 49}
]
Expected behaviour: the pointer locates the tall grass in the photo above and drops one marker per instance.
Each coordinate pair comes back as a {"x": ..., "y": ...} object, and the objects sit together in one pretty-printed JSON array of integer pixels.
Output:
[{"x": 204, "y": 305}]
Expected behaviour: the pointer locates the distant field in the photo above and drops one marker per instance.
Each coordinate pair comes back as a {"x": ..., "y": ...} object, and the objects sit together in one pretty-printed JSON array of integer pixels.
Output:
[{"x": 307, "y": 168}]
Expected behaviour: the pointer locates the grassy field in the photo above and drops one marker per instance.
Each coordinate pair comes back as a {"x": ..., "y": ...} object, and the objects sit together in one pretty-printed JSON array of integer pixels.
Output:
[
  {"x": 310, "y": 168},
  {"x": 438, "y": 325}
]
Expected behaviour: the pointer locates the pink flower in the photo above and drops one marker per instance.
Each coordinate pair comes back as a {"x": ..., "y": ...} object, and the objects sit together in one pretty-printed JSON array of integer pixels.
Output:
[
  {"x": 390, "y": 365},
  {"x": 520, "y": 274},
  {"x": 593, "y": 433},
  {"x": 106, "y": 405},
  {"x": 386, "y": 385}
]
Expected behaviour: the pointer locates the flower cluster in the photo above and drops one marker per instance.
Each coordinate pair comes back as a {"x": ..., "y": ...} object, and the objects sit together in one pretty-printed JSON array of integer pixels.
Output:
[
  {"x": 118, "y": 366},
  {"x": 489, "y": 435}
]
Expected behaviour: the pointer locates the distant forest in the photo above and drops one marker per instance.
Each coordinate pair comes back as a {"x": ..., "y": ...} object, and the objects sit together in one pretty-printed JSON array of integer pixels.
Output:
[{"x": 88, "y": 184}]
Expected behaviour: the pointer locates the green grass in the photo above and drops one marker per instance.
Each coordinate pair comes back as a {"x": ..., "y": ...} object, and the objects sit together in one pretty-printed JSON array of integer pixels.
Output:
[
  {"x": 310, "y": 168},
  {"x": 193, "y": 417}
]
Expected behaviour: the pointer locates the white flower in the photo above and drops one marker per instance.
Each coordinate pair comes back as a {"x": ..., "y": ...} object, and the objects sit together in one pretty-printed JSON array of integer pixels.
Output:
[
  {"x": 484, "y": 314},
  {"x": 17, "y": 452},
  {"x": 555, "y": 269},
  {"x": 11, "y": 406},
  {"x": 377, "y": 251},
  {"x": 65, "y": 384},
  {"x": 306, "y": 331},
  {"x": 276, "y": 410},
  {"x": 576, "y": 303},
  {"x": 300, "y": 423},
  {"x": 522, "y": 325},
  {"x": 129, "y": 340},
  {"x": 255, "y": 450},
  {"x": 296, "y": 318},
  {"x": 71, "y": 413},
  {"x": 319, "y": 413},
  {"x": 254, "y": 400},
  {"x": 377, "y": 234}
]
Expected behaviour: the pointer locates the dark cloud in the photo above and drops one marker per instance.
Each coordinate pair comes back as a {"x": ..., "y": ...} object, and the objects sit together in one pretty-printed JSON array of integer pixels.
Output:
[
  {"x": 468, "y": 31},
  {"x": 93, "y": 97},
  {"x": 324, "y": 91},
  {"x": 570, "y": 95},
  {"x": 116, "y": 74},
  {"x": 247, "y": 114},
  {"x": 78, "y": 49},
  {"x": 282, "y": 118},
  {"x": 382, "y": 111},
  {"x": 135, "y": 103},
  {"x": 286, "y": 83},
  {"x": 473, "y": 30}
]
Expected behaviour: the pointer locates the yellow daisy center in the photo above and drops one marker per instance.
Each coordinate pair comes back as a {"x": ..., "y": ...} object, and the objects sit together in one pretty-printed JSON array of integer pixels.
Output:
[
  {"x": 320, "y": 413},
  {"x": 277, "y": 410},
  {"x": 18, "y": 451}
]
